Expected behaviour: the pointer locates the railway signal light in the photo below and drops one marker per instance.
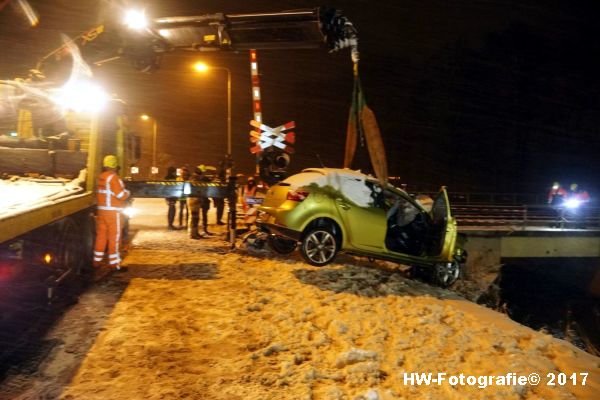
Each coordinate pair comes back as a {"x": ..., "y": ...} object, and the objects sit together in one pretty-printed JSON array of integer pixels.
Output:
[{"x": 273, "y": 165}]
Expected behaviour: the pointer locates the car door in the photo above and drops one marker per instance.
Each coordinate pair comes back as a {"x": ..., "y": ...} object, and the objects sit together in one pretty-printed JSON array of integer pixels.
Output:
[
  {"x": 365, "y": 224},
  {"x": 442, "y": 234}
]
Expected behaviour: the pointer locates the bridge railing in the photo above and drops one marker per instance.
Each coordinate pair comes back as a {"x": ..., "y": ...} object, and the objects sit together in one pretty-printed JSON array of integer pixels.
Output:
[
  {"x": 515, "y": 199},
  {"x": 496, "y": 198},
  {"x": 526, "y": 215}
]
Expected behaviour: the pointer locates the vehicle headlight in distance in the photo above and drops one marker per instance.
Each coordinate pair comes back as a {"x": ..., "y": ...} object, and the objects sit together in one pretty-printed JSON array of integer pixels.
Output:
[{"x": 572, "y": 203}]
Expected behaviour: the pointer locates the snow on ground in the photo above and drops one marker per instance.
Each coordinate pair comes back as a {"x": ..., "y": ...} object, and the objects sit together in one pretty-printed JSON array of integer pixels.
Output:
[
  {"x": 20, "y": 194},
  {"x": 198, "y": 322}
]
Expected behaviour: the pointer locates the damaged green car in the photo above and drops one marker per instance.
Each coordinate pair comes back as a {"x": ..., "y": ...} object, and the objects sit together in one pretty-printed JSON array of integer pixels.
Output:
[{"x": 327, "y": 210}]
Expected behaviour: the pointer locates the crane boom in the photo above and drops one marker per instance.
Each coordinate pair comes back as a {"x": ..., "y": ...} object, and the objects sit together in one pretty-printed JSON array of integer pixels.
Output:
[{"x": 298, "y": 29}]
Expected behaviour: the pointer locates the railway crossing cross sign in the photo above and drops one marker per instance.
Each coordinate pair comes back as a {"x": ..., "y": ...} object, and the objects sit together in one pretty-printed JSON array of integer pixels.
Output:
[{"x": 266, "y": 137}]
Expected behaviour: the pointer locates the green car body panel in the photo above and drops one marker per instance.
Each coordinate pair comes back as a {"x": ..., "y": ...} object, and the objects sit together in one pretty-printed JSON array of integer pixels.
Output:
[{"x": 363, "y": 228}]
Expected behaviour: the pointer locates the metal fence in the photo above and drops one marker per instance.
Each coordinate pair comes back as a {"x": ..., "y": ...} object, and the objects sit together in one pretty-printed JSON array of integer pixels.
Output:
[
  {"x": 497, "y": 198},
  {"x": 527, "y": 215},
  {"x": 518, "y": 209}
]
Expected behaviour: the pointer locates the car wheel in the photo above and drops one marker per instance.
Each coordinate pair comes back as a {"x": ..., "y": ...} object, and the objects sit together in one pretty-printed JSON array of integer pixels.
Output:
[
  {"x": 281, "y": 245},
  {"x": 319, "y": 246},
  {"x": 445, "y": 274}
]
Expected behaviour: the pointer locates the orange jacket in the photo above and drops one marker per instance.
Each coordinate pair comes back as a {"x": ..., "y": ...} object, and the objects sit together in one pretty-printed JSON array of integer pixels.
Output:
[{"x": 110, "y": 193}]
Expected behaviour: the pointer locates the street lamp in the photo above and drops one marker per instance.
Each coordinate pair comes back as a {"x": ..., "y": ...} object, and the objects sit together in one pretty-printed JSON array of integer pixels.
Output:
[
  {"x": 201, "y": 67},
  {"x": 146, "y": 117}
]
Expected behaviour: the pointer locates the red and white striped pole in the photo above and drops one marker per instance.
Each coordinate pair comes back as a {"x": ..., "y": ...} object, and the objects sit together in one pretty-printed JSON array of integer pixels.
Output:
[{"x": 256, "y": 108}]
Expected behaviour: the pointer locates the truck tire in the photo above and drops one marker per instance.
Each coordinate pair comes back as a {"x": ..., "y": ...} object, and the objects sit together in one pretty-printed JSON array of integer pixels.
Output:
[
  {"x": 88, "y": 240},
  {"x": 70, "y": 248}
]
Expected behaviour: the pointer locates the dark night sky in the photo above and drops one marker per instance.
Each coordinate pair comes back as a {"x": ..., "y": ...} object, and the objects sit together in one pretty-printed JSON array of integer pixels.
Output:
[{"x": 479, "y": 95}]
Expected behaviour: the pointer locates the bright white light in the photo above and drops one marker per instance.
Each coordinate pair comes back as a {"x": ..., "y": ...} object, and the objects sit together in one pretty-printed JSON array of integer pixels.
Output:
[
  {"x": 81, "y": 96},
  {"x": 135, "y": 170},
  {"x": 130, "y": 212},
  {"x": 154, "y": 170},
  {"x": 13, "y": 134},
  {"x": 136, "y": 19},
  {"x": 572, "y": 203}
]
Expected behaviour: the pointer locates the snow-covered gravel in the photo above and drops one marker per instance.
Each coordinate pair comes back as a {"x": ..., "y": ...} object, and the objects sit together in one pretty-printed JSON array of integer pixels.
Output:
[
  {"x": 21, "y": 194},
  {"x": 196, "y": 321}
]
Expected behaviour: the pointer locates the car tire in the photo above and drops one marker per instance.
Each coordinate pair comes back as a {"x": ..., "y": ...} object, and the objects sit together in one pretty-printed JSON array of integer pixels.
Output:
[
  {"x": 446, "y": 274},
  {"x": 254, "y": 239},
  {"x": 281, "y": 245},
  {"x": 319, "y": 246}
]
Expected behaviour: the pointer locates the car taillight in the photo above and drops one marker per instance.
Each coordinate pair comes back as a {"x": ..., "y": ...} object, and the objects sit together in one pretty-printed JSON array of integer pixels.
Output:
[{"x": 297, "y": 195}]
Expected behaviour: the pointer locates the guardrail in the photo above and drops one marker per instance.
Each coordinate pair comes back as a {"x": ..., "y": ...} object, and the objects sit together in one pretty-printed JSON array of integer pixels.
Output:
[
  {"x": 527, "y": 215},
  {"x": 497, "y": 198},
  {"x": 514, "y": 199}
]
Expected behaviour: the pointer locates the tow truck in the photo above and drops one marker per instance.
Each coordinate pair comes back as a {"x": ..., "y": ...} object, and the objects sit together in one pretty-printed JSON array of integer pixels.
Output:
[
  {"x": 46, "y": 214},
  {"x": 47, "y": 175}
]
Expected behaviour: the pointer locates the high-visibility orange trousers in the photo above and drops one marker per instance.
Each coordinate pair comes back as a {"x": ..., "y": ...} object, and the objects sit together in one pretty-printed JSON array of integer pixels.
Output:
[{"x": 108, "y": 232}]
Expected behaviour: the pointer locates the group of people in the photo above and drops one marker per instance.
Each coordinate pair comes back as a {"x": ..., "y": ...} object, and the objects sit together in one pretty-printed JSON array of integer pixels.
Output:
[
  {"x": 194, "y": 207},
  {"x": 568, "y": 204},
  {"x": 558, "y": 196},
  {"x": 173, "y": 201},
  {"x": 111, "y": 197}
]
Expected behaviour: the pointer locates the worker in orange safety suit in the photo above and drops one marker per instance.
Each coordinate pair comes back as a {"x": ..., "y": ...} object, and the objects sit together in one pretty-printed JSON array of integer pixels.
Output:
[
  {"x": 249, "y": 191},
  {"x": 110, "y": 195}
]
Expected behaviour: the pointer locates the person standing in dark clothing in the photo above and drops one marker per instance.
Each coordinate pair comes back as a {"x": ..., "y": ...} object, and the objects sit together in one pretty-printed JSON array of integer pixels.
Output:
[
  {"x": 556, "y": 199},
  {"x": 194, "y": 205},
  {"x": 184, "y": 176},
  {"x": 219, "y": 202},
  {"x": 209, "y": 174},
  {"x": 220, "y": 206},
  {"x": 171, "y": 201},
  {"x": 205, "y": 206}
]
